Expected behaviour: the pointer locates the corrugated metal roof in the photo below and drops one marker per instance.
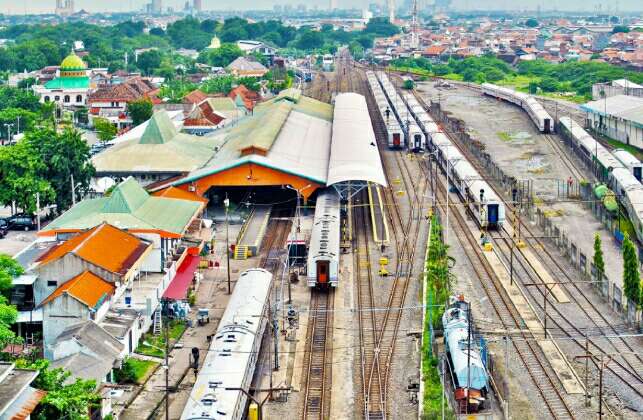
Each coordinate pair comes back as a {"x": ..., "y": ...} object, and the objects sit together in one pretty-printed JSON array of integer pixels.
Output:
[
  {"x": 160, "y": 149},
  {"x": 156, "y": 213},
  {"x": 353, "y": 153},
  {"x": 626, "y": 107},
  {"x": 263, "y": 133}
]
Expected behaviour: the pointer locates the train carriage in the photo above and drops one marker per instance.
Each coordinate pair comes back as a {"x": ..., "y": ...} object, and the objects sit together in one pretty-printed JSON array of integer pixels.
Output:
[
  {"x": 323, "y": 253},
  {"x": 395, "y": 135},
  {"x": 230, "y": 361},
  {"x": 538, "y": 115},
  {"x": 630, "y": 162}
]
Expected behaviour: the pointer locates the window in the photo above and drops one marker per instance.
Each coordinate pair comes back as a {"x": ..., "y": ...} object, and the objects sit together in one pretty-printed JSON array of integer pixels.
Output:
[
  {"x": 47, "y": 99},
  {"x": 79, "y": 98},
  {"x": 67, "y": 99},
  {"x": 52, "y": 283},
  {"x": 57, "y": 98}
]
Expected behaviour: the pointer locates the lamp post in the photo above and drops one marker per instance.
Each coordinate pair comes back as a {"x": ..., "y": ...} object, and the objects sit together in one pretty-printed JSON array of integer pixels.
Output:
[{"x": 226, "y": 204}]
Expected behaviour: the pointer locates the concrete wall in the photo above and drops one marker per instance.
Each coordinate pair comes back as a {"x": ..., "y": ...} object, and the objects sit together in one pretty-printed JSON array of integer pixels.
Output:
[
  {"x": 618, "y": 129},
  {"x": 152, "y": 262},
  {"x": 62, "y": 270},
  {"x": 58, "y": 315}
]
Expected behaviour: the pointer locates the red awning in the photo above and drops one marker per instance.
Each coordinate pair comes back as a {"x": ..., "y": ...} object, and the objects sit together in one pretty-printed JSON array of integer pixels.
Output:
[{"x": 179, "y": 285}]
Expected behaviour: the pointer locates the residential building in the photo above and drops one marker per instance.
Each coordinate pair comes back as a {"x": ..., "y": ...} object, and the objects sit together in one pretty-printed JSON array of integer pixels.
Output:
[
  {"x": 110, "y": 102},
  {"x": 619, "y": 117},
  {"x": 70, "y": 87},
  {"x": 87, "y": 351},
  {"x": 616, "y": 87},
  {"x": 211, "y": 114},
  {"x": 246, "y": 67},
  {"x": 77, "y": 278},
  {"x": 18, "y": 398},
  {"x": 241, "y": 94}
]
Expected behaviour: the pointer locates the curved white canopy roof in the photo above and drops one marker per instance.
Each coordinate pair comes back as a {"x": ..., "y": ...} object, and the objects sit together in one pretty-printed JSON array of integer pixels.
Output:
[{"x": 353, "y": 152}]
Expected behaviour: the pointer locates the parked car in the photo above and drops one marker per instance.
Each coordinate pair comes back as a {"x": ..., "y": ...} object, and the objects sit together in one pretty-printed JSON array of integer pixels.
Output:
[
  {"x": 4, "y": 228},
  {"x": 21, "y": 221}
]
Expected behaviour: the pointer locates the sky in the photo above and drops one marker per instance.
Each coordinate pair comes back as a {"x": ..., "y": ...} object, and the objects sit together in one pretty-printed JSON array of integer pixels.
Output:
[{"x": 44, "y": 6}]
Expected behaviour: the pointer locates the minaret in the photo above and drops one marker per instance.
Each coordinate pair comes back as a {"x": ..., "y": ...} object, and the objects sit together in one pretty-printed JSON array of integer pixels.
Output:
[
  {"x": 391, "y": 10},
  {"x": 415, "y": 40}
]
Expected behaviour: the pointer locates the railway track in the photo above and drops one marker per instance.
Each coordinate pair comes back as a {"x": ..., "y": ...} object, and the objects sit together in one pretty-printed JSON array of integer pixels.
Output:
[
  {"x": 565, "y": 158},
  {"x": 406, "y": 234},
  {"x": 318, "y": 361},
  {"x": 626, "y": 372}
]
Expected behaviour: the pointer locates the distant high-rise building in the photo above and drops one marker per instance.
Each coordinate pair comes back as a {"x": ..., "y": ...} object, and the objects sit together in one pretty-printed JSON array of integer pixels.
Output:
[
  {"x": 332, "y": 5},
  {"x": 64, "y": 7},
  {"x": 157, "y": 6},
  {"x": 198, "y": 6},
  {"x": 442, "y": 5},
  {"x": 390, "y": 4}
]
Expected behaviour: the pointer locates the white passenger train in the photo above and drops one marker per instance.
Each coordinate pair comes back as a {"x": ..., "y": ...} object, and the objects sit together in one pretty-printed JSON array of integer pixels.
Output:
[
  {"x": 474, "y": 190},
  {"x": 394, "y": 133},
  {"x": 544, "y": 122},
  {"x": 630, "y": 162},
  {"x": 231, "y": 359},
  {"x": 620, "y": 178},
  {"x": 323, "y": 253}
]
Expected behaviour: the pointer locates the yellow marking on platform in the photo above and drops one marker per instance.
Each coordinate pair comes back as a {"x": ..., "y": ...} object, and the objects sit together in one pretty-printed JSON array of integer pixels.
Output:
[
  {"x": 396, "y": 181},
  {"x": 400, "y": 192}
]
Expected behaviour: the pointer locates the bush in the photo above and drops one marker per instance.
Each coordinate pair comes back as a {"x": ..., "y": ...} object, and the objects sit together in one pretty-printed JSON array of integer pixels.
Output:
[{"x": 408, "y": 84}]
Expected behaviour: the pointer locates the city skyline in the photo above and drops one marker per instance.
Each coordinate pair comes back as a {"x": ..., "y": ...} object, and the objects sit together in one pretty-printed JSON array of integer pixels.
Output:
[{"x": 48, "y": 6}]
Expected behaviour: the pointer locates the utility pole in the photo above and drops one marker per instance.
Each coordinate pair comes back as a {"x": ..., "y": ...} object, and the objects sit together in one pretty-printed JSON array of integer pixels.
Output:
[
  {"x": 507, "y": 390},
  {"x": 73, "y": 190},
  {"x": 226, "y": 204}
]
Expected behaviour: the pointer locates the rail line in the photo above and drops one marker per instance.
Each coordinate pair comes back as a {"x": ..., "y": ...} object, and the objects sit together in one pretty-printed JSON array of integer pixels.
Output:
[
  {"x": 564, "y": 157},
  {"x": 616, "y": 367},
  {"x": 318, "y": 361}
]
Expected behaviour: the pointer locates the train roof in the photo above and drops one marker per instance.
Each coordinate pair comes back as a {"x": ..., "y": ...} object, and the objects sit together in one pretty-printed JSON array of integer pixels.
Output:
[
  {"x": 324, "y": 238},
  {"x": 225, "y": 364},
  {"x": 626, "y": 158}
]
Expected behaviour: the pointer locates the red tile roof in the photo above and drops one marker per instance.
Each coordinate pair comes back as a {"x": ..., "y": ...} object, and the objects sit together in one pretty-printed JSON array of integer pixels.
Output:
[
  {"x": 248, "y": 96},
  {"x": 104, "y": 246},
  {"x": 130, "y": 90},
  {"x": 86, "y": 287},
  {"x": 195, "y": 97},
  {"x": 203, "y": 115}
]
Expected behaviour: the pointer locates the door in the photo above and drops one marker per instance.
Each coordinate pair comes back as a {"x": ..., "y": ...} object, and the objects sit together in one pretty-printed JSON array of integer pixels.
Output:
[
  {"x": 322, "y": 272},
  {"x": 637, "y": 173},
  {"x": 492, "y": 214},
  {"x": 418, "y": 142},
  {"x": 547, "y": 125},
  {"x": 396, "y": 139}
]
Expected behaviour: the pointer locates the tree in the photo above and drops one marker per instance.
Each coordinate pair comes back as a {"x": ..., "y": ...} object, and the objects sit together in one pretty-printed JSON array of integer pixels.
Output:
[
  {"x": 598, "y": 261},
  {"x": 140, "y": 110},
  {"x": 356, "y": 50},
  {"x": 157, "y": 31},
  {"x": 222, "y": 56},
  {"x": 148, "y": 61},
  {"x": 105, "y": 130},
  {"x": 21, "y": 177},
  {"x": 63, "y": 400},
  {"x": 531, "y": 23},
  {"x": 9, "y": 270},
  {"x": 614, "y": 20},
  {"x": 548, "y": 84},
  {"x": 381, "y": 26},
  {"x": 631, "y": 276},
  {"x": 67, "y": 157},
  {"x": 620, "y": 29},
  {"x": 408, "y": 84},
  {"x": 309, "y": 40}
]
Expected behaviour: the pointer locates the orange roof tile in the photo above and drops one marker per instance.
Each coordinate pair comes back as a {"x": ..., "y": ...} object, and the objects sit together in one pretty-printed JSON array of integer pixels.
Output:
[
  {"x": 87, "y": 287},
  {"x": 173, "y": 192},
  {"x": 104, "y": 246}
]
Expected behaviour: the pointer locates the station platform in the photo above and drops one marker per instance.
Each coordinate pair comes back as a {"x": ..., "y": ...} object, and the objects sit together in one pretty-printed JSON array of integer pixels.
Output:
[
  {"x": 378, "y": 215},
  {"x": 252, "y": 233}
]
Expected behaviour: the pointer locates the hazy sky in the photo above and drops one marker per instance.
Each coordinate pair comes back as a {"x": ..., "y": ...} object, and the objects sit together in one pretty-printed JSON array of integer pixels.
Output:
[{"x": 41, "y": 6}]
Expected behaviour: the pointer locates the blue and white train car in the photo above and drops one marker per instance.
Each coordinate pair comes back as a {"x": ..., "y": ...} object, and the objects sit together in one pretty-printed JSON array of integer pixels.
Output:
[
  {"x": 231, "y": 359},
  {"x": 323, "y": 253},
  {"x": 471, "y": 380}
]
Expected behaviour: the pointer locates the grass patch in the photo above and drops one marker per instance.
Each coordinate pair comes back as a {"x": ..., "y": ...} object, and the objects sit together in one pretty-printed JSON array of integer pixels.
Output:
[
  {"x": 504, "y": 136},
  {"x": 633, "y": 150},
  {"x": 518, "y": 81},
  {"x": 438, "y": 280},
  {"x": 134, "y": 370},
  {"x": 625, "y": 225},
  {"x": 175, "y": 331}
]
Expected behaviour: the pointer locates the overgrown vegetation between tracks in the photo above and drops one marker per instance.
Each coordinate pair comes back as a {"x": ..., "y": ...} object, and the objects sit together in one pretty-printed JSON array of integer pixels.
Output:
[{"x": 438, "y": 280}]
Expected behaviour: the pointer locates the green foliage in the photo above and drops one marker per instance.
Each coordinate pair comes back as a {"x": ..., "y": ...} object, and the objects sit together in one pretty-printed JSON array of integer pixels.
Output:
[
  {"x": 105, "y": 130},
  {"x": 598, "y": 261},
  {"x": 620, "y": 29},
  {"x": 18, "y": 98},
  {"x": 420, "y": 63},
  {"x": 222, "y": 84},
  {"x": 531, "y": 23},
  {"x": 408, "y": 84},
  {"x": 62, "y": 155},
  {"x": 133, "y": 370},
  {"x": 140, "y": 110},
  {"x": 631, "y": 275},
  {"x": 148, "y": 61},
  {"x": 309, "y": 40},
  {"x": 381, "y": 26},
  {"x": 9, "y": 269},
  {"x": 356, "y": 49},
  {"x": 176, "y": 329},
  {"x": 69, "y": 401},
  {"x": 222, "y": 56},
  {"x": 21, "y": 177}
]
